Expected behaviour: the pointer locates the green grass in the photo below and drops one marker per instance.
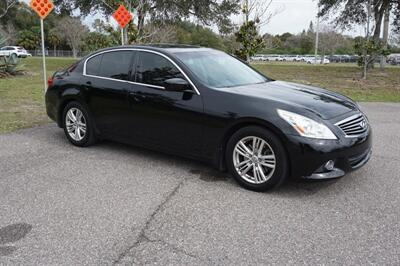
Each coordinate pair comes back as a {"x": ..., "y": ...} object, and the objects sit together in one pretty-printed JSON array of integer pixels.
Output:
[
  {"x": 383, "y": 86},
  {"x": 22, "y": 97}
]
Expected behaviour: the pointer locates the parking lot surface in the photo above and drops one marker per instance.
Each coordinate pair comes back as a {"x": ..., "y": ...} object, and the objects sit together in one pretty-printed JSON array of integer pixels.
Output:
[{"x": 115, "y": 204}]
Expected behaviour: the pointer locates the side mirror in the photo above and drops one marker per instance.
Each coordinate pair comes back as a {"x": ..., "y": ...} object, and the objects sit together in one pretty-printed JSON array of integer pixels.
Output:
[{"x": 176, "y": 84}]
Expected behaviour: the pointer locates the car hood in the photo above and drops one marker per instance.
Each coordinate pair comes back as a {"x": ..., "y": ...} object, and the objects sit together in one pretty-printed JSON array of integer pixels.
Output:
[{"x": 324, "y": 103}]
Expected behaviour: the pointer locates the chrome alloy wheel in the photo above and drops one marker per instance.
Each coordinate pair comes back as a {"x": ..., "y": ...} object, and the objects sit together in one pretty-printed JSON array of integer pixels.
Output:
[
  {"x": 76, "y": 124},
  {"x": 254, "y": 160}
]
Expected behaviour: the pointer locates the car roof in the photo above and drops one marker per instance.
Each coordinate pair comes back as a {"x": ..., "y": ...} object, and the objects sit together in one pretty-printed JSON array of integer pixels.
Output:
[{"x": 162, "y": 47}]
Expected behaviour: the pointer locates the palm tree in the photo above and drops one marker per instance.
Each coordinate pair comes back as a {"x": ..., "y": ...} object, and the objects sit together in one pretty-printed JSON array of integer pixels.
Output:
[{"x": 54, "y": 39}]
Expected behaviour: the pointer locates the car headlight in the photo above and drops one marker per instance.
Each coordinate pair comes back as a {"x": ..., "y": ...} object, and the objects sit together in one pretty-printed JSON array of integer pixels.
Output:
[{"x": 306, "y": 127}]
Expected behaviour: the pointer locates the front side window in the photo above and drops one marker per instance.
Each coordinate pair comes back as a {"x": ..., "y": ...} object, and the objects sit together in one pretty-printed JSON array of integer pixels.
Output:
[
  {"x": 154, "y": 69},
  {"x": 219, "y": 70},
  {"x": 116, "y": 65}
]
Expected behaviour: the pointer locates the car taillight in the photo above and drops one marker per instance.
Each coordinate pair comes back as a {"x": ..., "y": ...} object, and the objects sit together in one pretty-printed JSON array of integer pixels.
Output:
[{"x": 50, "y": 82}]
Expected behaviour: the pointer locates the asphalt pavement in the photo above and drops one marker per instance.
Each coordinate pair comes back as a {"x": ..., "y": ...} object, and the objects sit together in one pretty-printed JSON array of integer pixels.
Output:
[{"x": 116, "y": 204}]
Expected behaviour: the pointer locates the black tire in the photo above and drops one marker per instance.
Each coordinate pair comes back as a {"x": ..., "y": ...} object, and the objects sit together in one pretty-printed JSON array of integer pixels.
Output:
[
  {"x": 282, "y": 165},
  {"x": 89, "y": 137}
]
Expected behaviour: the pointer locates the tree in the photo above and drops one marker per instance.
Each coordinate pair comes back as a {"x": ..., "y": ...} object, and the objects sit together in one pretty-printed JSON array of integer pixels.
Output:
[
  {"x": 8, "y": 64},
  {"x": 306, "y": 44},
  {"x": 249, "y": 39},
  {"x": 354, "y": 12},
  {"x": 6, "y": 5},
  {"x": 284, "y": 36},
  {"x": 329, "y": 40},
  {"x": 357, "y": 12},
  {"x": 72, "y": 31},
  {"x": 311, "y": 30},
  {"x": 256, "y": 13},
  {"x": 207, "y": 11},
  {"x": 199, "y": 35},
  {"x": 53, "y": 38},
  {"x": 160, "y": 33},
  {"x": 95, "y": 41},
  {"x": 107, "y": 29},
  {"x": 29, "y": 39}
]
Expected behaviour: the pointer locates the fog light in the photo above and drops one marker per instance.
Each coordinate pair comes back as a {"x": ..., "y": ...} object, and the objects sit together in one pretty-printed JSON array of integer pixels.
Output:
[{"x": 329, "y": 165}]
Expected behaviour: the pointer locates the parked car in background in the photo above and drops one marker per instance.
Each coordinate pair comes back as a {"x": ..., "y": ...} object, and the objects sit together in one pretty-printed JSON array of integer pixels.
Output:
[
  {"x": 290, "y": 58},
  {"x": 14, "y": 50},
  {"x": 298, "y": 58},
  {"x": 353, "y": 58},
  {"x": 265, "y": 58},
  {"x": 304, "y": 58},
  {"x": 317, "y": 60},
  {"x": 394, "y": 61},
  {"x": 207, "y": 105},
  {"x": 257, "y": 58},
  {"x": 334, "y": 58},
  {"x": 273, "y": 57}
]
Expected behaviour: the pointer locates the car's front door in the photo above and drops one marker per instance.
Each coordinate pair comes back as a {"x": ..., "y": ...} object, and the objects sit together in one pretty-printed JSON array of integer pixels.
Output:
[{"x": 169, "y": 120}]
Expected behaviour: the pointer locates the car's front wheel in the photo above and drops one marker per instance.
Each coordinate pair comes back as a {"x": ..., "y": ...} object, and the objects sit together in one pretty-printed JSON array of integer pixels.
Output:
[
  {"x": 77, "y": 124},
  {"x": 257, "y": 159}
]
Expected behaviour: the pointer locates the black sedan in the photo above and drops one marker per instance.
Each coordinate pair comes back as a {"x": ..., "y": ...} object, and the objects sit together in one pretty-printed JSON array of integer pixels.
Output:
[{"x": 207, "y": 105}]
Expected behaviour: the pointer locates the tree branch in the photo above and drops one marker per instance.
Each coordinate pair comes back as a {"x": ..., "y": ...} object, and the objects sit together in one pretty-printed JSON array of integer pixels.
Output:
[{"x": 8, "y": 4}]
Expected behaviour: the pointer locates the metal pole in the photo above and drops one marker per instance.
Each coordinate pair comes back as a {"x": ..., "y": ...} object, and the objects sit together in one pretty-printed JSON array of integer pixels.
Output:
[
  {"x": 43, "y": 56},
  {"x": 365, "y": 52},
  {"x": 122, "y": 36},
  {"x": 316, "y": 38}
]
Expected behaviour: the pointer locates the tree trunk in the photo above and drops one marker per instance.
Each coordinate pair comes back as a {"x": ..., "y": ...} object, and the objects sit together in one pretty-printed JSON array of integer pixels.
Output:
[
  {"x": 140, "y": 23},
  {"x": 365, "y": 52},
  {"x": 385, "y": 35},
  {"x": 74, "y": 52}
]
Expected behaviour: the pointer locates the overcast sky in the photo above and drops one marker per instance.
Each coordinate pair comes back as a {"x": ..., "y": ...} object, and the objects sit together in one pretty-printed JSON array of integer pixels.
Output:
[{"x": 295, "y": 16}]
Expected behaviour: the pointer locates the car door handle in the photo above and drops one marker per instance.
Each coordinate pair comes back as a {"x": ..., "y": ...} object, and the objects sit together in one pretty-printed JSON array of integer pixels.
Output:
[{"x": 137, "y": 96}]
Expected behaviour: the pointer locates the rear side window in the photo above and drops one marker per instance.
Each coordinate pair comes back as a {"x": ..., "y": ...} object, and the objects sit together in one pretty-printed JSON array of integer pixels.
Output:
[
  {"x": 154, "y": 69},
  {"x": 93, "y": 65},
  {"x": 116, "y": 65}
]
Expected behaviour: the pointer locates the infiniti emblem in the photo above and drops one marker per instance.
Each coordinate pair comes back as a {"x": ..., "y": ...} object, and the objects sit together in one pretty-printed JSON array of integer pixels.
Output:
[{"x": 362, "y": 124}]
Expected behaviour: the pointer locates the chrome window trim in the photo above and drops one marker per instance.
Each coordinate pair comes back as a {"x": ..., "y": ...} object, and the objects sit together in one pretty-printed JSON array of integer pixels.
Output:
[
  {"x": 126, "y": 81},
  {"x": 138, "y": 83}
]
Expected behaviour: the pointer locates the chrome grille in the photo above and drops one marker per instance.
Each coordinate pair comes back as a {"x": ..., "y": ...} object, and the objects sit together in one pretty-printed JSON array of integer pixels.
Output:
[{"x": 354, "y": 125}]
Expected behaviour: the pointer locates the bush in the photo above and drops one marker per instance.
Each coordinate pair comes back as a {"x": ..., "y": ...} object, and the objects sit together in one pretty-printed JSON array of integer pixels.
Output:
[{"x": 8, "y": 64}]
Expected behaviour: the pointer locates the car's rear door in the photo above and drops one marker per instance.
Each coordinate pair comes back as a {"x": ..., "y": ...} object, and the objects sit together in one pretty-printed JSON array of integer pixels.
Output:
[
  {"x": 107, "y": 78},
  {"x": 170, "y": 120}
]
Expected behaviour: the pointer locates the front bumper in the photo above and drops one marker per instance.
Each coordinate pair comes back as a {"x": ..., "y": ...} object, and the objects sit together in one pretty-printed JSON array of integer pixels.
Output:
[
  {"x": 355, "y": 163},
  {"x": 308, "y": 156}
]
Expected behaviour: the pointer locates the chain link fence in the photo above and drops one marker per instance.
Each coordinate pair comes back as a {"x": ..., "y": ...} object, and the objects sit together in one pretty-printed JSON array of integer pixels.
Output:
[{"x": 57, "y": 53}]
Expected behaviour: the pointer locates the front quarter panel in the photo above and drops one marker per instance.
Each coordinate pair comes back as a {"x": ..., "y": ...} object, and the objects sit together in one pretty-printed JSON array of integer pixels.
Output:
[{"x": 226, "y": 112}]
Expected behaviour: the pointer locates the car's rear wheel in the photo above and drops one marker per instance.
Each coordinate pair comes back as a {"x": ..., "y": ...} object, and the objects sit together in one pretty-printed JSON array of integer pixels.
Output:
[
  {"x": 257, "y": 159},
  {"x": 77, "y": 124}
]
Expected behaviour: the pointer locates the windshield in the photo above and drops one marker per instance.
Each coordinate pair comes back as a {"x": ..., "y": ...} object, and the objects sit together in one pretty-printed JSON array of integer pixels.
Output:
[{"x": 217, "y": 69}]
